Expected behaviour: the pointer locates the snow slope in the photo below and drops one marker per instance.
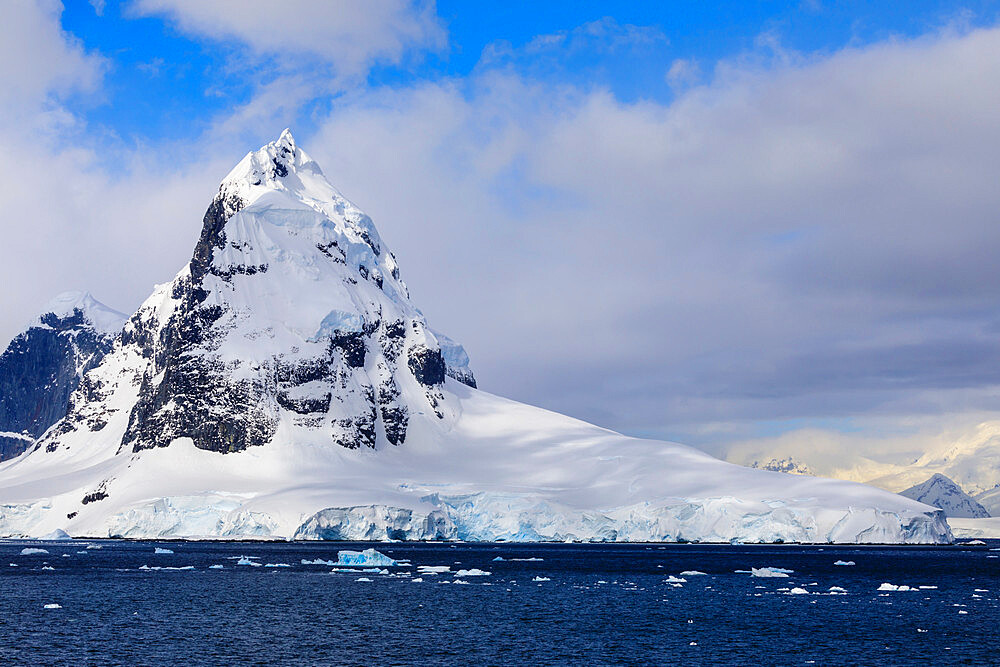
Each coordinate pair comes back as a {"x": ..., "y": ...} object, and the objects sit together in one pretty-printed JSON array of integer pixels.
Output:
[
  {"x": 941, "y": 492},
  {"x": 283, "y": 384}
]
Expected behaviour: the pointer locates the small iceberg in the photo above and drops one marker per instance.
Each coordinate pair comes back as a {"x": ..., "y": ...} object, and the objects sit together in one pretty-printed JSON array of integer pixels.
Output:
[
  {"x": 844, "y": 562},
  {"x": 33, "y": 551},
  {"x": 675, "y": 580},
  {"x": 766, "y": 572},
  {"x": 277, "y": 565},
  {"x": 318, "y": 561},
  {"x": 416, "y": 580},
  {"x": 57, "y": 534},
  {"x": 53, "y": 605},
  {"x": 246, "y": 561},
  {"x": 362, "y": 579},
  {"x": 474, "y": 572},
  {"x": 797, "y": 591},
  {"x": 692, "y": 573},
  {"x": 214, "y": 567},
  {"x": 837, "y": 590},
  {"x": 894, "y": 587},
  {"x": 528, "y": 560},
  {"x": 48, "y": 567},
  {"x": 537, "y": 578},
  {"x": 160, "y": 550},
  {"x": 498, "y": 559},
  {"x": 433, "y": 569},
  {"x": 366, "y": 558}
]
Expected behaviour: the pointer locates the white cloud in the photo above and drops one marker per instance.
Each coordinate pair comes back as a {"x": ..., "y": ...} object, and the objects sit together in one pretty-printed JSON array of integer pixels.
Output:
[
  {"x": 350, "y": 34},
  {"x": 810, "y": 237}
]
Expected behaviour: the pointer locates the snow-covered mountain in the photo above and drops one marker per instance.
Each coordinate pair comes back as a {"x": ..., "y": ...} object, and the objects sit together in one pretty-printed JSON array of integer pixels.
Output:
[
  {"x": 970, "y": 457},
  {"x": 284, "y": 384},
  {"x": 44, "y": 364},
  {"x": 939, "y": 491}
]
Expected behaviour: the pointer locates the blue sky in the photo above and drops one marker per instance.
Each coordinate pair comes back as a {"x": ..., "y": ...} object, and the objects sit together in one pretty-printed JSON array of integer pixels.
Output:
[
  {"x": 164, "y": 83},
  {"x": 711, "y": 222}
]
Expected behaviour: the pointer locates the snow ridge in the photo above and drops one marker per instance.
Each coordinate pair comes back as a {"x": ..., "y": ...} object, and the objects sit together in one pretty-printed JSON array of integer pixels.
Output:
[{"x": 939, "y": 491}]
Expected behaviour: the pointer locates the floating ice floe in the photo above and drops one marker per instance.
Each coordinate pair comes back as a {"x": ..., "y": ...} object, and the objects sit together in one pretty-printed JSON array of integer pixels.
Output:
[
  {"x": 157, "y": 568},
  {"x": 362, "y": 579},
  {"x": 473, "y": 572},
  {"x": 366, "y": 558},
  {"x": 844, "y": 562},
  {"x": 53, "y": 606},
  {"x": 48, "y": 567},
  {"x": 675, "y": 580},
  {"x": 433, "y": 569},
  {"x": 692, "y": 573},
  {"x": 894, "y": 587},
  {"x": 95, "y": 546},
  {"x": 528, "y": 560},
  {"x": 498, "y": 559},
  {"x": 160, "y": 550},
  {"x": 214, "y": 567},
  {"x": 770, "y": 572},
  {"x": 973, "y": 543},
  {"x": 318, "y": 561},
  {"x": 837, "y": 590},
  {"x": 417, "y": 580},
  {"x": 797, "y": 591},
  {"x": 246, "y": 561},
  {"x": 33, "y": 551},
  {"x": 541, "y": 579},
  {"x": 277, "y": 565}
]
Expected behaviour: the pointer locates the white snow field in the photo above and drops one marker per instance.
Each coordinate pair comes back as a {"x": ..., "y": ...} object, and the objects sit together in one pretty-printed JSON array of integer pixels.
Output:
[{"x": 472, "y": 466}]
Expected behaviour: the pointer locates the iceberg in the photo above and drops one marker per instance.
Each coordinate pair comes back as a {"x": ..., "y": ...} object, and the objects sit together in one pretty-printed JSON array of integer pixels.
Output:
[
  {"x": 474, "y": 572},
  {"x": 692, "y": 573},
  {"x": 537, "y": 578},
  {"x": 53, "y": 606},
  {"x": 844, "y": 562},
  {"x": 366, "y": 558},
  {"x": 159, "y": 550},
  {"x": 769, "y": 572},
  {"x": 33, "y": 551}
]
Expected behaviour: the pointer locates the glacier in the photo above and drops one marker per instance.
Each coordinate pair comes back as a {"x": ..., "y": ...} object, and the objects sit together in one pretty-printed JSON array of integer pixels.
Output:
[{"x": 284, "y": 386}]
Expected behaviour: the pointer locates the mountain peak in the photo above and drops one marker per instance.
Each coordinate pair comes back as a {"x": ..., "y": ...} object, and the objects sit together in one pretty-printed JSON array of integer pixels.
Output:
[{"x": 104, "y": 319}]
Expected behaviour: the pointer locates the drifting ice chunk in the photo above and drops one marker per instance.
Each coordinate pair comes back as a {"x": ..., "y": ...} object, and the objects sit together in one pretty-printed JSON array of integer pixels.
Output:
[
  {"x": 366, "y": 558},
  {"x": 844, "y": 562},
  {"x": 769, "y": 572},
  {"x": 797, "y": 591},
  {"x": 417, "y": 580},
  {"x": 53, "y": 606},
  {"x": 362, "y": 579},
  {"x": 33, "y": 551},
  {"x": 48, "y": 567},
  {"x": 893, "y": 587},
  {"x": 498, "y": 559},
  {"x": 837, "y": 589},
  {"x": 692, "y": 573},
  {"x": 246, "y": 561},
  {"x": 675, "y": 580},
  {"x": 527, "y": 560},
  {"x": 433, "y": 569},
  {"x": 318, "y": 561},
  {"x": 214, "y": 567},
  {"x": 277, "y": 565},
  {"x": 159, "y": 550},
  {"x": 541, "y": 578},
  {"x": 472, "y": 573}
]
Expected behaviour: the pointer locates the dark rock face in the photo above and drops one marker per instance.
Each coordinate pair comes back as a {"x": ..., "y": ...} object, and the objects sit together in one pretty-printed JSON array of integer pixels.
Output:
[
  {"x": 39, "y": 371},
  {"x": 427, "y": 366}
]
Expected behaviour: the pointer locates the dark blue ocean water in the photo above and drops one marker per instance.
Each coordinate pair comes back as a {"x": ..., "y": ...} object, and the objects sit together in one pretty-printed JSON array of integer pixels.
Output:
[{"x": 600, "y": 604}]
